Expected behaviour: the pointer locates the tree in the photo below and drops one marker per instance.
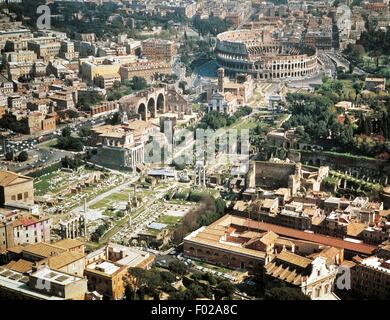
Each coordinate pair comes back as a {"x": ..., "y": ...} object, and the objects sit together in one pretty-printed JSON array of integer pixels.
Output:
[
  {"x": 85, "y": 131},
  {"x": 129, "y": 293},
  {"x": 357, "y": 86},
  {"x": 23, "y": 156},
  {"x": 9, "y": 156},
  {"x": 72, "y": 114},
  {"x": 195, "y": 291},
  {"x": 115, "y": 119},
  {"x": 178, "y": 267},
  {"x": 70, "y": 143},
  {"x": 207, "y": 276},
  {"x": 70, "y": 163},
  {"x": 66, "y": 132},
  {"x": 139, "y": 83},
  {"x": 167, "y": 277},
  {"x": 225, "y": 289}
]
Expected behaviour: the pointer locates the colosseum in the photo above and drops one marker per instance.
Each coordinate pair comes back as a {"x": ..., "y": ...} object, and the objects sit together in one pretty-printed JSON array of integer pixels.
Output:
[{"x": 257, "y": 53}]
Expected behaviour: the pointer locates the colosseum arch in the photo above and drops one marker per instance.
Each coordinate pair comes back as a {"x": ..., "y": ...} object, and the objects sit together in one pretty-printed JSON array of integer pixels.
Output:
[
  {"x": 142, "y": 111},
  {"x": 152, "y": 108}
]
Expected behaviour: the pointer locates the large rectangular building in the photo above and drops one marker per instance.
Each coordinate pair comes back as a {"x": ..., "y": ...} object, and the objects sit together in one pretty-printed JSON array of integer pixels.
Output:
[
  {"x": 16, "y": 188},
  {"x": 158, "y": 49}
]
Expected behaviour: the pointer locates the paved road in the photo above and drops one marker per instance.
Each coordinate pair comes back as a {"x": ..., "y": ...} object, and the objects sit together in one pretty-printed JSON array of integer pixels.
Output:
[
  {"x": 307, "y": 82},
  {"x": 27, "y": 142},
  {"x": 328, "y": 64}
]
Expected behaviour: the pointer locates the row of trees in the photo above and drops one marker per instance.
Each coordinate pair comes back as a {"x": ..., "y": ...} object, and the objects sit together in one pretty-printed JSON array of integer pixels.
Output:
[
  {"x": 21, "y": 157},
  {"x": 375, "y": 39},
  {"x": 215, "y": 120},
  {"x": 8, "y": 121},
  {"x": 99, "y": 231},
  {"x": 68, "y": 142},
  {"x": 127, "y": 87},
  {"x": 151, "y": 283},
  {"x": 212, "y": 25}
]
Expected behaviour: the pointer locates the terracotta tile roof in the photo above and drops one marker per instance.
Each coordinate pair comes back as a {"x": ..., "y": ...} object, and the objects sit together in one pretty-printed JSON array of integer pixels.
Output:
[
  {"x": 8, "y": 177},
  {"x": 330, "y": 253},
  {"x": 69, "y": 243},
  {"x": 284, "y": 273},
  {"x": 348, "y": 264},
  {"x": 16, "y": 249},
  {"x": 226, "y": 246},
  {"x": 293, "y": 259},
  {"x": 358, "y": 248},
  {"x": 284, "y": 242},
  {"x": 44, "y": 250},
  {"x": 22, "y": 266},
  {"x": 64, "y": 259},
  {"x": 269, "y": 238},
  {"x": 384, "y": 213},
  {"x": 354, "y": 229},
  {"x": 317, "y": 220}
]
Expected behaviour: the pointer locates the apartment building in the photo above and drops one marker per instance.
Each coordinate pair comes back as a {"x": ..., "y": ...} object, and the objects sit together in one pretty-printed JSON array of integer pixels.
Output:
[
  {"x": 107, "y": 81},
  {"x": 145, "y": 69},
  {"x": 370, "y": 277},
  {"x": 158, "y": 49},
  {"x": 108, "y": 267},
  {"x": 92, "y": 67},
  {"x": 23, "y": 228},
  {"x": 45, "y": 47}
]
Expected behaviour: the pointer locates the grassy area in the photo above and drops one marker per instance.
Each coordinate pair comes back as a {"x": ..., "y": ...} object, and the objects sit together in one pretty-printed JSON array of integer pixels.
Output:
[
  {"x": 116, "y": 197},
  {"x": 171, "y": 220},
  {"x": 49, "y": 144},
  {"x": 153, "y": 232},
  {"x": 248, "y": 123},
  {"x": 123, "y": 196},
  {"x": 347, "y": 88},
  {"x": 43, "y": 183},
  {"x": 41, "y": 186},
  {"x": 100, "y": 204}
]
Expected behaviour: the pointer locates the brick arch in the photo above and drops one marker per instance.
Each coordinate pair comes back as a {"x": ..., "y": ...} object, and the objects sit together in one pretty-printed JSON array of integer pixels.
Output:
[
  {"x": 152, "y": 108},
  {"x": 160, "y": 104},
  {"x": 141, "y": 110}
]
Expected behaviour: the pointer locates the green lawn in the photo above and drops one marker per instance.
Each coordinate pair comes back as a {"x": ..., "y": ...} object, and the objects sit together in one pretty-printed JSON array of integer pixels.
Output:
[
  {"x": 49, "y": 144},
  {"x": 43, "y": 183},
  {"x": 42, "y": 186},
  {"x": 249, "y": 123},
  {"x": 153, "y": 232},
  {"x": 101, "y": 204},
  {"x": 169, "y": 219},
  {"x": 119, "y": 197}
]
